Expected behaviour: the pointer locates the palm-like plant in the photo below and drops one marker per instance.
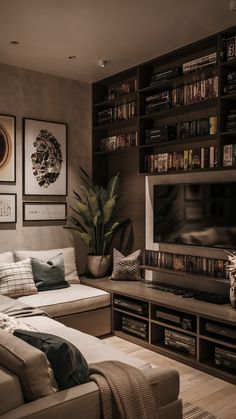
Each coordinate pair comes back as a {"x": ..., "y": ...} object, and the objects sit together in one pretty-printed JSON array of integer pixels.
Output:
[{"x": 96, "y": 218}]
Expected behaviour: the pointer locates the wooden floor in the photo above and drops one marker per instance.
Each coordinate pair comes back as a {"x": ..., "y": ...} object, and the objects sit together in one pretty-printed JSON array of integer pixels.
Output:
[{"x": 207, "y": 392}]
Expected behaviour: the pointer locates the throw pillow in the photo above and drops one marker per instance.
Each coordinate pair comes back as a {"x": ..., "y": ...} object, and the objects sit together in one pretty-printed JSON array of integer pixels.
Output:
[
  {"x": 68, "y": 364},
  {"x": 71, "y": 273},
  {"x": 49, "y": 275},
  {"x": 10, "y": 324},
  {"x": 29, "y": 364},
  {"x": 126, "y": 267},
  {"x": 16, "y": 279}
]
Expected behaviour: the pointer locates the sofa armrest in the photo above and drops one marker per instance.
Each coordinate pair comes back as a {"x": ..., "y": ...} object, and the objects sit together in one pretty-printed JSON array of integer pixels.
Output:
[{"x": 85, "y": 399}]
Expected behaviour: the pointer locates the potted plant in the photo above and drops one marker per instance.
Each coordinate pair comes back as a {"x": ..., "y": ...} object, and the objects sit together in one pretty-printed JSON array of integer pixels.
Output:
[{"x": 96, "y": 220}]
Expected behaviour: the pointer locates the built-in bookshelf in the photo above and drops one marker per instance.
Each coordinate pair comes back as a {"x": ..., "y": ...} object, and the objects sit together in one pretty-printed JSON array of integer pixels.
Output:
[{"x": 178, "y": 110}]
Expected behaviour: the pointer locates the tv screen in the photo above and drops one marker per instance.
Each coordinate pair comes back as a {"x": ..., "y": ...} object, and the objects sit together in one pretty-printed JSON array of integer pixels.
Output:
[{"x": 195, "y": 214}]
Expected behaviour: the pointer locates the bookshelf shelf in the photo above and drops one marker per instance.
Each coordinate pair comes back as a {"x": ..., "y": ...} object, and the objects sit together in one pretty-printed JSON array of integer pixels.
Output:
[
  {"x": 120, "y": 99},
  {"x": 116, "y": 125},
  {"x": 117, "y": 151},
  {"x": 183, "y": 141}
]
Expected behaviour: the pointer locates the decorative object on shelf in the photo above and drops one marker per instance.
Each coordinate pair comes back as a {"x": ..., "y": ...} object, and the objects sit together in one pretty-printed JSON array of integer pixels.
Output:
[
  {"x": 44, "y": 211},
  {"x": 126, "y": 267},
  {"x": 45, "y": 157},
  {"x": 232, "y": 277},
  {"x": 96, "y": 220},
  {"x": 7, "y": 149},
  {"x": 8, "y": 208}
]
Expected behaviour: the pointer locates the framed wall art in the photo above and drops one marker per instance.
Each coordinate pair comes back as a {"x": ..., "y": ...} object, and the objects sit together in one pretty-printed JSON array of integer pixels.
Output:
[
  {"x": 45, "y": 157},
  {"x": 44, "y": 211},
  {"x": 7, "y": 208},
  {"x": 7, "y": 149}
]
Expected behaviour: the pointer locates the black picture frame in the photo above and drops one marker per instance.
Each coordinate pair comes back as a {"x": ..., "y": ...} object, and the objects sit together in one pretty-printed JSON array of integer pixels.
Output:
[
  {"x": 8, "y": 149},
  {"x": 5, "y": 206},
  {"x": 45, "y": 209},
  {"x": 45, "y": 137}
]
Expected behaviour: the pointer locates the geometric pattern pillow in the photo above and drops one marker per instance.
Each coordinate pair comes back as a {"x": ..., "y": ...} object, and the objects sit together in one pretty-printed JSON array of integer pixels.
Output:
[
  {"x": 126, "y": 267},
  {"x": 16, "y": 279}
]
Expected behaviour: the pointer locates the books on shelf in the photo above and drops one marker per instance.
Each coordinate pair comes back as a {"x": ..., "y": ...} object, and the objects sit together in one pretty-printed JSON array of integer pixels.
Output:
[
  {"x": 228, "y": 48},
  {"x": 187, "y": 263},
  {"x": 121, "y": 89},
  {"x": 199, "y": 63},
  {"x": 229, "y": 155},
  {"x": 117, "y": 113},
  {"x": 190, "y": 159},
  {"x": 119, "y": 141},
  {"x": 231, "y": 120},
  {"x": 187, "y": 94},
  {"x": 230, "y": 86},
  {"x": 199, "y": 127},
  {"x": 159, "y": 134},
  {"x": 168, "y": 74}
]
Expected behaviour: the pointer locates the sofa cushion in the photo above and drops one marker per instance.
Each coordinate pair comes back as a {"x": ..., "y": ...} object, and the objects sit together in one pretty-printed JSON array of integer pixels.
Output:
[
  {"x": 17, "y": 279},
  {"x": 9, "y": 384},
  {"x": 68, "y": 364},
  {"x": 6, "y": 257},
  {"x": 29, "y": 364},
  {"x": 76, "y": 299},
  {"x": 71, "y": 274},
  {"x": 126, "y": 267},
  {"x": 49, "y": 275}
]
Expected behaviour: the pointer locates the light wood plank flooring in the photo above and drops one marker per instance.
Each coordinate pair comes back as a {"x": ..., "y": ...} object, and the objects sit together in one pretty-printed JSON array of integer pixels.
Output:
[{"x": 209, "y": 393}]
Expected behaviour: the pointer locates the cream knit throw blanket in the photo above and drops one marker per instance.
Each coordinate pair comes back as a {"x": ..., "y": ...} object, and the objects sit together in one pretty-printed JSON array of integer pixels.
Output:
[{"x": 125, "y": 391}]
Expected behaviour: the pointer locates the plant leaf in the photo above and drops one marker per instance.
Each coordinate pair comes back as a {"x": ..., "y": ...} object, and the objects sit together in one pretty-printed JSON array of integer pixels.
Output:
[
  {"x": 108, "y": 209},
  {"x": 112, "y": 186}
]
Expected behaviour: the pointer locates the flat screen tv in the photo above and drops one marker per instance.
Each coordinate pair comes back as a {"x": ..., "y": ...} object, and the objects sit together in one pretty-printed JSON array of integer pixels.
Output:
[{"x": 202, "y": 214}]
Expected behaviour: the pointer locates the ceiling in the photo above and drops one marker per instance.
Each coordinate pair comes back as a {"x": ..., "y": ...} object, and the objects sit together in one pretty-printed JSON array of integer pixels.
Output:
[{"x": 123, "y": 32}]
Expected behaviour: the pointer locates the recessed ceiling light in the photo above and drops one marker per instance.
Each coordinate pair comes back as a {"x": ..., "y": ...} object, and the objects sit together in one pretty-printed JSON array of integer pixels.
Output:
[
  {"x": 72, "y": 57},
  {"x": 14, "y": 42}
]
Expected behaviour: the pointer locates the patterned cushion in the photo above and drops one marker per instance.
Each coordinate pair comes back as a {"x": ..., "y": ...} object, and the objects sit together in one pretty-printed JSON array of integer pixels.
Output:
[
  {"x": 126, "y": 268},
  {"x": 16, "y": 279}
]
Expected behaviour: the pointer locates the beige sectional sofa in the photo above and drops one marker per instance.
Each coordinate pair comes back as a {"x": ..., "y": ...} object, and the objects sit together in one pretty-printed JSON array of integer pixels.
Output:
[{"x": 70, "y": 309}]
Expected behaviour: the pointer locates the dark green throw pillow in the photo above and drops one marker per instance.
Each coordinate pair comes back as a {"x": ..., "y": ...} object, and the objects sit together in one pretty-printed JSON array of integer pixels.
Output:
[
  {"x": 68, "y": 364},
  {"x": 49, "y": 275}
]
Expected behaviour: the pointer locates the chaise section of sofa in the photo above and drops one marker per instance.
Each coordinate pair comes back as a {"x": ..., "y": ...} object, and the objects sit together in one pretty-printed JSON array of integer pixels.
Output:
[{"x": 85, "y": 398}]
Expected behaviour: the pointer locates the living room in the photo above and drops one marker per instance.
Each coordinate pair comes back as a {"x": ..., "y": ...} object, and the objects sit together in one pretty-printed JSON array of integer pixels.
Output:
[{"x": 156, "y": 105}]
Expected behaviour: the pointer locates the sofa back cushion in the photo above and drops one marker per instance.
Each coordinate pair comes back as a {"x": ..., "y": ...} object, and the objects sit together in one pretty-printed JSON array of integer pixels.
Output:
[
  {"x": 16, "y": 279},
  {"x": 71, "y": 274},
  {"x": 29, "y": 364},
  {"x": 6, "y": 257},
  {"x": 49, "y": 275},
  {"x": 68, "y": 364}
]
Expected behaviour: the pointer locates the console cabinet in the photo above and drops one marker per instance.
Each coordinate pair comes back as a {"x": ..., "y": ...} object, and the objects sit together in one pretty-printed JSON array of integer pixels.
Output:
[{"x": 200, "y": 334}]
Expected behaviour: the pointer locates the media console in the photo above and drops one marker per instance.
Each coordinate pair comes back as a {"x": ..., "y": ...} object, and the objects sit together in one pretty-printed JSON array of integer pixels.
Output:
[{"x": 194, "y": 332}]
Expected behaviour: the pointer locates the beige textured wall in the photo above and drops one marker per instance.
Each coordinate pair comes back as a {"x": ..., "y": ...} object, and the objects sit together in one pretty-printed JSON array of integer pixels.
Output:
[{"x": 32, "y": 94}]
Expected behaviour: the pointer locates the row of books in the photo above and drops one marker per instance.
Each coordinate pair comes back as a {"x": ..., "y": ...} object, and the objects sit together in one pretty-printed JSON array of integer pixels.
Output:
[
  {"x": 231, "y": 120},
  {"x": 187, "y": 263},
  {"x": 199, "y": 158},
  {"x": 117, "y": 113},
  {"x": 228, "y": 48},
  {"x": 184, "y": 95},
  {"x": 119, "y": 90},
  {"x": 195, "y": 92},
  {"x": 230, "y": 86},
  {"x": 229, "y": 155},
  {"x": 118, "y": 141},
  {"x": 193, "y": 65},
  {"x": 199, "y": 127}
]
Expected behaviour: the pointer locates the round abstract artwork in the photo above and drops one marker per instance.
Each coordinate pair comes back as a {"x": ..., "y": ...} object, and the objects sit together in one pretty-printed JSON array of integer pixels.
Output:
[
  {"x": 4, "y": 146},
  {"x": 47, "y": 159}
]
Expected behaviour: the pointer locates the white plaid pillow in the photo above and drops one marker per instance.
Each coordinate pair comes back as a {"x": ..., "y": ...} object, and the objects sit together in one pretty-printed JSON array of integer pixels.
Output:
[{"x": 16, "y": 279}]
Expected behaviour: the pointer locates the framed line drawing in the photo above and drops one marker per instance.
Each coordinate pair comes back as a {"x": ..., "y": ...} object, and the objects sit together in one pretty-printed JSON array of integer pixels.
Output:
[
  {"x": 7, "y": 149},
  {"x": 44, "y": 211},
  {"x": 8, "y": 209},
  {"x": 44, "y": 157}
]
